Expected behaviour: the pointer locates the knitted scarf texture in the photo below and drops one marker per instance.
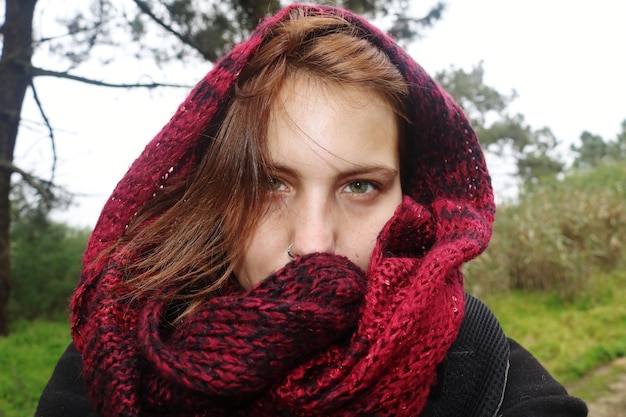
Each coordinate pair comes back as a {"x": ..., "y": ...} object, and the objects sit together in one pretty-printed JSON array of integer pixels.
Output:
[{"x": 319, "y": 337}]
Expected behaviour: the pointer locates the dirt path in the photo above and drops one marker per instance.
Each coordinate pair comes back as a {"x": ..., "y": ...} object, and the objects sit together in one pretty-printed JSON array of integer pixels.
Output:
[{"x": 613, "y": 404}]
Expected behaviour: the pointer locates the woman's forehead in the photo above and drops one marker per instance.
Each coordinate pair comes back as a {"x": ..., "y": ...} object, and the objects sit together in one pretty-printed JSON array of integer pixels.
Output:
[{"x": 312, "y": 123}]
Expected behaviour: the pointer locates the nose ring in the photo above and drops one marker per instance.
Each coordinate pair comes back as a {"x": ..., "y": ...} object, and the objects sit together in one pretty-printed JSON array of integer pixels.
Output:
[{"x": 289, "y": 253}]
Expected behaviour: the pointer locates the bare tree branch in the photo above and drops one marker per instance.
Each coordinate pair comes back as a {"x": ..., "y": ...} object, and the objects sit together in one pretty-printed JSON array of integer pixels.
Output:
[
  {"x": 49, "y": 73},
  {"x": 50, "y": 131},
  {"x": 38, "y": 184},
  {"x": 143, "y": 6},
  {"x": 72, "y": 32}
]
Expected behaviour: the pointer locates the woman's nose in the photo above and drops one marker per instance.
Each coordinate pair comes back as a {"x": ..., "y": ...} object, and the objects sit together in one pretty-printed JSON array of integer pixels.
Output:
[{"x": 313, "y": 230}]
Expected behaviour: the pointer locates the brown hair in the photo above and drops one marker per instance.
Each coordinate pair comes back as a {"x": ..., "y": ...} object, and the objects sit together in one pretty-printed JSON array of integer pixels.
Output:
[{"x": 192, "y": 234}]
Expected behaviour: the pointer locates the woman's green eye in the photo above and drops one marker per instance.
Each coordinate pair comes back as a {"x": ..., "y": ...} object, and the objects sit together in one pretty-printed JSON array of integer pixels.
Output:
[
  {"x": 359, "y": 187},
  {"x": 275, "y": 184}
]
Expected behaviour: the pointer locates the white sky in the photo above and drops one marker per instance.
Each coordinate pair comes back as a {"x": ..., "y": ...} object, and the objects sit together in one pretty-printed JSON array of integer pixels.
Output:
[{"x": 565, "y": 59}]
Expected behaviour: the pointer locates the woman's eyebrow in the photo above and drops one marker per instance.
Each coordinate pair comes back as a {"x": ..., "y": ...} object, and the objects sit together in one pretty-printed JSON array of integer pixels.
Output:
[
  {"x": 380, "y": 170},
  {"x": 284, "y": 169},
  {"x": 354, "y": 171}
]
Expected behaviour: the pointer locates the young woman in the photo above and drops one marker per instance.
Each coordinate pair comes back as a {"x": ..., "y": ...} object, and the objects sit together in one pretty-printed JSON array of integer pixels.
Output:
[{"x": 291, "y": 244}]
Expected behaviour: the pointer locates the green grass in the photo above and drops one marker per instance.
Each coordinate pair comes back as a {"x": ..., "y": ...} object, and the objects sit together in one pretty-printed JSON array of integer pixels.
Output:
[
  {"x": 596, "y": 384},
  {"x": 569, "y": 339},
  {"x": 27, "y": 358}
]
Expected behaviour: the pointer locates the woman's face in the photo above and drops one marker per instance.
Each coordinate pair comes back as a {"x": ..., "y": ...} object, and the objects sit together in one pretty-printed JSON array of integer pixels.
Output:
[{"x": 335, "y": 180}]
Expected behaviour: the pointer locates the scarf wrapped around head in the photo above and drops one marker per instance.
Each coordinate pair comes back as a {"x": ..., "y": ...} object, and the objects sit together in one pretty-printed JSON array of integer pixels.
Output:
[{"x": 320, "y": 336}]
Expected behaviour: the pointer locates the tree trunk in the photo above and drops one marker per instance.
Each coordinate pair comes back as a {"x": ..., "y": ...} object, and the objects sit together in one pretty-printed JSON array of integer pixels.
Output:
[{"x": 15, "y": 78}]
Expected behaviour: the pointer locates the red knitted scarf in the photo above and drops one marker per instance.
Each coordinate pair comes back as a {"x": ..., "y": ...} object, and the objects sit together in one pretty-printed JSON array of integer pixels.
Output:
[{"x": 319, "y": 337}]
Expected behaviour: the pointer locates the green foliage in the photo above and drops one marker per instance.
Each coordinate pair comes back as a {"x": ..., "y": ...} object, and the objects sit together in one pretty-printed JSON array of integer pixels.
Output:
[
  {"x": 557, "y": 236},
  {"x": 535, "y": 161},
  {"x": 27, "y": 358},
  {"x": 478, "y": 100},
  {"x": 595, "y": 150},
  {"x": 592, "y": 150},
  {"x": 498, "y": 130},
  {"x": 205, "y": 28},
  {"x": 569, "y": 339},
  {"x": 45, "y": 265},
  {"x": 163, "y": 31}
]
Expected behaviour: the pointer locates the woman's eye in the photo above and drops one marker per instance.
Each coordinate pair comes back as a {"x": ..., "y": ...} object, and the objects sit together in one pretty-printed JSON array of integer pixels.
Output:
[
  {"x": 360, "y": 187},
  {"x": 275, "y": 184}
]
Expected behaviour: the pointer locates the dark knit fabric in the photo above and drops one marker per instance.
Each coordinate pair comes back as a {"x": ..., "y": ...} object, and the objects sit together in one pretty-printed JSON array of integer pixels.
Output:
[
  {"x": 64, "y": 394},
  {"x": 319, "y": 337},
  {"x": 475, "y": 370},
  {"x": 534, "y": 392}
]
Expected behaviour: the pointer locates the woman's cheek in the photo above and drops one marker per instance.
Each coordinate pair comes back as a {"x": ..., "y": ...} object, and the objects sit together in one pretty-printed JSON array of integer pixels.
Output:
[{"x": 263, "y": 257}]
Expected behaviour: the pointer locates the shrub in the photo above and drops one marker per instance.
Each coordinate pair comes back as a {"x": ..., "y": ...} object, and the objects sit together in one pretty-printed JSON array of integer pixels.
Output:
[
  {"x": 557, "y": 235},
  {"x": 45, "y": 265}
]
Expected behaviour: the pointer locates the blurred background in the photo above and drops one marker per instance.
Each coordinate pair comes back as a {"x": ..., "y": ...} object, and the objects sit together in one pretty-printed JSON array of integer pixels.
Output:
[{"x": 84, "y": 85}]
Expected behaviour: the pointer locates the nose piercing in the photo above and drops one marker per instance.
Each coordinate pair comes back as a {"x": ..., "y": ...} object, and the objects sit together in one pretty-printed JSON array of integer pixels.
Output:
[{"x": 291, "y": 255}]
